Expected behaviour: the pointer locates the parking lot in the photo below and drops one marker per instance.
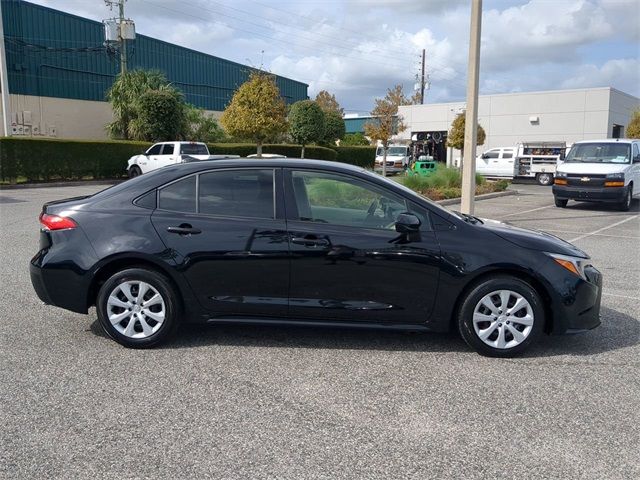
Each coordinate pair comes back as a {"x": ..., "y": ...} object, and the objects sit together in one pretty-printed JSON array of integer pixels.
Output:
[{"x": 253, "y": 402}]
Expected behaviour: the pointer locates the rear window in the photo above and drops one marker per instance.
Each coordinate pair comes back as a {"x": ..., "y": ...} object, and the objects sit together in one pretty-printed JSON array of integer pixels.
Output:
[{"x": 193, "y": 149}]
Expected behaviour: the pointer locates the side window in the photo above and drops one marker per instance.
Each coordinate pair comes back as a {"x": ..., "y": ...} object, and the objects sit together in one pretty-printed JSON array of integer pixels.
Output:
[
  {"x": 241, "y": 193},
  {"x": 507, "y": 155},
  {"x": 636, "y": 151},
  {"x": 167, "y": 149},
  {"x": 492, "y": 154},
  {"x": 155, "y": 150},
  {"x": 343, "y": 200},
  {"x": 179, "y": 196}
]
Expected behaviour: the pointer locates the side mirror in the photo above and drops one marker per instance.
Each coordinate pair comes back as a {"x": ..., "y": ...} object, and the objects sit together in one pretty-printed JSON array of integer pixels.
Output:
[{"x": 407, "y": 223}]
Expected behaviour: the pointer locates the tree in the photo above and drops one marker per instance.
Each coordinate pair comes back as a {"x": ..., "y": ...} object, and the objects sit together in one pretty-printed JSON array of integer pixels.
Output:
[
  {"x": 354, "y": 139},
  {"x": 328, "y": 102},
  {"x": 385, "y": 122},
  {"x": 201, "y": 127},
  {"x": 124, "y": 95},
  {"x": 334, "y": 127},
  {"x": 455, "y": 138},
  {"x": 633, "y": 129},
  {"x": 256, "y": 111},
  {"x": 160, "y": 116},
  {"x": 306, "y": 123}
]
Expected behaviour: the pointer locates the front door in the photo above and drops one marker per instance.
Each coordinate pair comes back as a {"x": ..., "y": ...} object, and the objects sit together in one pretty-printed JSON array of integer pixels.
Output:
[
  {"x": 229, "y": 241},
  {"x": 347, "y": 261}
]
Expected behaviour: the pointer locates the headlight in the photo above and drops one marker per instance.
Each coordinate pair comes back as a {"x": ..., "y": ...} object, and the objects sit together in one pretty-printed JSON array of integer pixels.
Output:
[
  {"x": 575, "y": 265},
  {"x": 615, "y": 176},
  {"x": 561, "y": 175}
]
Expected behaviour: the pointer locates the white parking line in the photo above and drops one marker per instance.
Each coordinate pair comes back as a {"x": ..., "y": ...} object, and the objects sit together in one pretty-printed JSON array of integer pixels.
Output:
[
  {"x": 594, "y": 234},
  {"x": 603, "y": 229},
  {"x": 527, "y": 211}
]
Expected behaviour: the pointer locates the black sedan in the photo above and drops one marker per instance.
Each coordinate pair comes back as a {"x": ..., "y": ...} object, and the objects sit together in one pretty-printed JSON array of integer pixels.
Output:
[{"x": 304, "y": 242}]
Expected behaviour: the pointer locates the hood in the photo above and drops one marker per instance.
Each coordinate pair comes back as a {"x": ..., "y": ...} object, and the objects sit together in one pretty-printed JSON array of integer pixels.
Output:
[
  {"x": 591, "y": 168},
  {"x": 533, "y": 239}
]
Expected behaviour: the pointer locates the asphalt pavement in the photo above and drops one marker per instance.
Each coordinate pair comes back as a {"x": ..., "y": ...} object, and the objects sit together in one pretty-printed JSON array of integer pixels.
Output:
[{"x": 257, "y": 402}]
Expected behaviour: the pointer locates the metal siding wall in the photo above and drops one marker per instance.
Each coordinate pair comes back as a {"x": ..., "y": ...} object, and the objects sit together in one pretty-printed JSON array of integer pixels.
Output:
[{"x": 206, "y": 81}]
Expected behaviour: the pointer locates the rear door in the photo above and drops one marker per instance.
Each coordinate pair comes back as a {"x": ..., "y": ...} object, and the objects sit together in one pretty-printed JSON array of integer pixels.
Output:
[
  {"x": 347, "y": 261},
  {"x": 229, "y": 239},
  {"x": 505, "y": 166}
]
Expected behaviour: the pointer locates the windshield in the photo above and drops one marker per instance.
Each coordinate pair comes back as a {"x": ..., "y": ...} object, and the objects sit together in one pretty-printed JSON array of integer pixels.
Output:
[
  {"x": 193, "y": 149},
  {"x": 392, "y": 151},
  {"x": 599, "y": 153}
]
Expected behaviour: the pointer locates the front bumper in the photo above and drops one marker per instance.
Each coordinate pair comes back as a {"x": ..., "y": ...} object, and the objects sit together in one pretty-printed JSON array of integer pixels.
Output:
[
  {"x": 390, "y": 169},
  {"x": 577, "y": 308},
  {"x": 593, "y": 194}
]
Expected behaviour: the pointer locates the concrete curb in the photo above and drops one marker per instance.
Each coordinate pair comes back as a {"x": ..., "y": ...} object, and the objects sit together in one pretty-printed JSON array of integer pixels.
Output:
[
  {"x": 486, "y": 196},
  {"x": 79, "y": 183}
]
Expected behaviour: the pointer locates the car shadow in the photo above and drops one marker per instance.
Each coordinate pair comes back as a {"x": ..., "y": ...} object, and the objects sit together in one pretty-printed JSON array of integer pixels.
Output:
[{"x": 618, "y": 330}]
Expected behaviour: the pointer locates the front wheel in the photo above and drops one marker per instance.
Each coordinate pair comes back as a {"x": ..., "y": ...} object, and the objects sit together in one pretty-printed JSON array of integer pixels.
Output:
[
  {"x": 544, "y": 178},
  {"x": 501, "y": 316},
  {"x": 134, "y": 171},
  {"x": 560, "y": 203},
  {"x": 625, "y": 205},
  {"x": 138, "y": 308}
]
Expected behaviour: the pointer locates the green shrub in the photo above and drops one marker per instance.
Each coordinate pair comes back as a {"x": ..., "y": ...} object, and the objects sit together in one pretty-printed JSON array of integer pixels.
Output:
[
  {"x": 47, "y": 159},
  {"x": 357, "y": 155},
  {"x": 443, "y": 178}
]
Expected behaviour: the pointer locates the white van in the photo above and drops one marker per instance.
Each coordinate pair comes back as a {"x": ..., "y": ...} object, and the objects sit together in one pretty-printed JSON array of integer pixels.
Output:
[
  {"x": 599, "y": 171},
  {"x": 397, "y": 158},
  {"x": 496, "y": 162}
]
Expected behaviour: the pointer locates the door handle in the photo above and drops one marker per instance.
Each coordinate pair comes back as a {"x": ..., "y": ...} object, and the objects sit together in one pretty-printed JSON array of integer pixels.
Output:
[
  {"x": 184, "y": 229},
  {"x": 310, "y": 242}
]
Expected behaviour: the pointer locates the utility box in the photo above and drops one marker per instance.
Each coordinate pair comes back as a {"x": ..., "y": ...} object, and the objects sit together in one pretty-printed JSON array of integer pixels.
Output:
[
  {"x": 110, "y": 30},
  {"x": 128, "y": 30}
]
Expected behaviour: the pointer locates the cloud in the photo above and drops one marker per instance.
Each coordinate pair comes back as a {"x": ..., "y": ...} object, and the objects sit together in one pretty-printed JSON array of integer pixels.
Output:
[{"x": 623, "y": 73}]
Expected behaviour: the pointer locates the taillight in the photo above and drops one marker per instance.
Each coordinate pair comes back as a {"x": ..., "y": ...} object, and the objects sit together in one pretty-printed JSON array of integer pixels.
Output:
[{"x": 56, "y": 222}]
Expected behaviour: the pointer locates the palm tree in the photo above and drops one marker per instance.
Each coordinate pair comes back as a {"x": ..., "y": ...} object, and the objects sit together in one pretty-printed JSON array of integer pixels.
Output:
[{"x": 124, "y": 94}]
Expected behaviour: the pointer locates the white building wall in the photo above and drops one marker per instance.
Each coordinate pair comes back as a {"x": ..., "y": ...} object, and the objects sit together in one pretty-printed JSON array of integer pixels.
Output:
[
  {"x": 61, "y": 117},
  {"x": 566, "y": 115}
]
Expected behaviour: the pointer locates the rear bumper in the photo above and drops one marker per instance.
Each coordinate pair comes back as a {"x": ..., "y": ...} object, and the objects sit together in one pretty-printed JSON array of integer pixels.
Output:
[
  {"x": 60, "y": 287},
  {"x": 595, "y": 194}
]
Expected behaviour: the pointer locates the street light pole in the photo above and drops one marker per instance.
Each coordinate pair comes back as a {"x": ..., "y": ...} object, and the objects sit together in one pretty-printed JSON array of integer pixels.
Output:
[{"x": 471, "y": 119}]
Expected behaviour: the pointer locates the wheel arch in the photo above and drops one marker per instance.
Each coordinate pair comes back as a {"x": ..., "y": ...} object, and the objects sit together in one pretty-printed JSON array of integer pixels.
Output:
[
  {"x": 117, "y": 263},
  {"x": 512, "y": 271}
]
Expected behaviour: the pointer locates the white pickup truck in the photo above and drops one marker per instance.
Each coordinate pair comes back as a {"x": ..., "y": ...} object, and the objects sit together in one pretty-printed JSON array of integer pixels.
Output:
[{"x": 166, "y": 153}]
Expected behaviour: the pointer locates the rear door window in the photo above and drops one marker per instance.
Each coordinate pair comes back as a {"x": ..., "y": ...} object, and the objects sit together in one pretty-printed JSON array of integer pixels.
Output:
[
  {"x": 179, "y": 196},
  {"x": 167, "y": 149},
  {"x": 237, "y": 193}
]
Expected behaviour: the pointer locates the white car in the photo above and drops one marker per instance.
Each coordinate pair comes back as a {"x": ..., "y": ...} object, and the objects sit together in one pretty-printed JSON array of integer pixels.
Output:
[
  {"x": 166, "y": 153},
  {"x": 599, "y": 171},
  {"x": 496, "y": 162}
]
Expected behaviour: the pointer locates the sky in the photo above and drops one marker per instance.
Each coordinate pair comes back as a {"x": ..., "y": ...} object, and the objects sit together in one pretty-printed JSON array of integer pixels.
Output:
[{"x": 356, "y": 49}]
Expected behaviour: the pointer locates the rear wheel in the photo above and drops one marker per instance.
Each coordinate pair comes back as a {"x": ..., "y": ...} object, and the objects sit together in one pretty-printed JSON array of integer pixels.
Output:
[
  {"x": 501, "y": 316},
  {"x": 544, "y": 178},
  {"x": 138, "y": 308},
  {"x": 134, "y": 171},
  {"x": 561, "y": 203},
  {"x": 625, "y": 205}
]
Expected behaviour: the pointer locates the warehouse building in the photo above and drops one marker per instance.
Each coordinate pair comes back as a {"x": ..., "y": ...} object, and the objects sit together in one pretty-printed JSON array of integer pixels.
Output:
[
  {"x": 512, "y": 118},
  {"x": 59, "y": 71}
]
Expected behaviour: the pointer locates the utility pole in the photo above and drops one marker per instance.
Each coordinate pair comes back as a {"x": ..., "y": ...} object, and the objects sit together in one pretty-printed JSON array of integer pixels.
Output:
[
  {"x": 4, "y": 82},
  {"x": 471, "y": 120},
  {"x": 123, "y": 41},
  {"x": 422, "y": 79}
]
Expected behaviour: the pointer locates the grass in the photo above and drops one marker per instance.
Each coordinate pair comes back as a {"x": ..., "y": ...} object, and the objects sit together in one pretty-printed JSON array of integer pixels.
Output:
[{"x": 446, "y": 183}]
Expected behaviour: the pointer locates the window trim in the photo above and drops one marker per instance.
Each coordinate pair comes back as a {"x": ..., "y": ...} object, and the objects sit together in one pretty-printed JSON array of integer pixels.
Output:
[
  {"x": 197, "y": 193},
  {"x": 292, "y": 206}
]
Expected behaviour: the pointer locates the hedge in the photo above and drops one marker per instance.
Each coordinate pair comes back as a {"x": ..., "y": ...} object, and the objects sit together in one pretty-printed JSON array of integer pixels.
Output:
[
  {"x": 292, "y": 151},
  {"x": 49, "y": 159},
  {"x": 44, "y": 160}
]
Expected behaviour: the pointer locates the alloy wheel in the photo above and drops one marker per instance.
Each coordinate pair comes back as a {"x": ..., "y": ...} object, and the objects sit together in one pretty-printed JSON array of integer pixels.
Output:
[
  {"x": 136, "y": 309},
  {"x": 503, "y": 319}
]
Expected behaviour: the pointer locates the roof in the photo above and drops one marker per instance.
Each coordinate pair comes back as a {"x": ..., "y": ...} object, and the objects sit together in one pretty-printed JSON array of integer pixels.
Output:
[{"x": 609, "y": 140}]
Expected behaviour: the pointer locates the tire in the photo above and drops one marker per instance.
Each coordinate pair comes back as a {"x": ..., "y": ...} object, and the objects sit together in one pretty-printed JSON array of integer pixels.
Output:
[
  {"x": 561, "y": 203},
  {"x": 524, "y": 315},
  {"x": 134, "y": 171},
  {"x": 545, "y": 179},
  {"x": 118, "y": 305},
  {"x": 625, "y": 205}
]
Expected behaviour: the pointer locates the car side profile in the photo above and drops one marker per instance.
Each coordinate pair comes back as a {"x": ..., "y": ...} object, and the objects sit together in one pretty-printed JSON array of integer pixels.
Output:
[
  {"x": 166, "y": 153},
  {"x": 304, "y": 242}
]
